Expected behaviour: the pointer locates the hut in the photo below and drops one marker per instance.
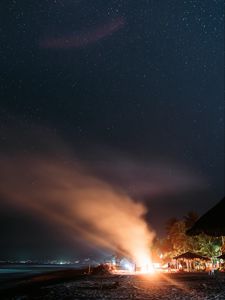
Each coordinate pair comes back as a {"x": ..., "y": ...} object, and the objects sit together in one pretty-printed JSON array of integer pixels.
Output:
[
  {"x": 212, "y": 222},
  {"x": 189, "y": 258}
]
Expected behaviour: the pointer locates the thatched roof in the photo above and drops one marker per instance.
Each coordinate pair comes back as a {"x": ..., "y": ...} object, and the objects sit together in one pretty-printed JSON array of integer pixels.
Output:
[
  {"x": 222, "y": 256},
  {"x": 212, "y": 222},
  {"x": 190, "y": 255}
]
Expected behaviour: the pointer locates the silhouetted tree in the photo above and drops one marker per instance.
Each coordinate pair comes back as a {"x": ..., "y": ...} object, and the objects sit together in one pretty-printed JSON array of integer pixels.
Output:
[{"x": 177, "y": 242}]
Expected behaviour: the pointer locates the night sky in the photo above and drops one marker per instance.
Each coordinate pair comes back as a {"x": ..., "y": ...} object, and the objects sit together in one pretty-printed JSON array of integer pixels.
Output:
[{"x": 132, "y": 90}]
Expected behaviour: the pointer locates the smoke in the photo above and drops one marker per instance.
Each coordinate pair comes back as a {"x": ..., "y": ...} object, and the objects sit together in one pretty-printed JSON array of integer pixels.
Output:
[
  {"x": 150, "y": 178},
  {"x": 66, "y": 194},
  {"x": 83, "y": 38},
  {"x": 94, "y": 200}
]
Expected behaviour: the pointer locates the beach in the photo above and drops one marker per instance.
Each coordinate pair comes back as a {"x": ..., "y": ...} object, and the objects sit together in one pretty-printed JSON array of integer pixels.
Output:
[{"x": 77, "y": 284}]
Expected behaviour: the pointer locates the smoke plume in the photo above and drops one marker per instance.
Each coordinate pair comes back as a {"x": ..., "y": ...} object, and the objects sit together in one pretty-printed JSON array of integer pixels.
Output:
[{"x": 67, "y": 194}]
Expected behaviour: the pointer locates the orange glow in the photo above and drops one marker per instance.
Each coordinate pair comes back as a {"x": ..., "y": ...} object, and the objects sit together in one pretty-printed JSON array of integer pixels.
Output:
[
  {"x": 79, "y": 203},
  {"x": 146, "y": 265}
]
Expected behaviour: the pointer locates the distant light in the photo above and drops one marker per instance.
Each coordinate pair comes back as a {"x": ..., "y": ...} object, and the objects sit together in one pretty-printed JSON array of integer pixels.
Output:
[{"x": 128, "y": 267}]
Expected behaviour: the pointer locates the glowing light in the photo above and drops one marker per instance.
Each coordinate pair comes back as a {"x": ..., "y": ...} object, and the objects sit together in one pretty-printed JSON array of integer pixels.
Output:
[
  {"x": 145, "y": 264},
  {"x": 129, "y": 267},
  {"x": 147, "y": 268},
  {"x": 90, "y": 209}
]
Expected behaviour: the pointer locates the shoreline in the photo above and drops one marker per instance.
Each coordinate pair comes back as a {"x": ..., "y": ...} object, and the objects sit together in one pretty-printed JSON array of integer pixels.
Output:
[{"x": 79, "y": 284}]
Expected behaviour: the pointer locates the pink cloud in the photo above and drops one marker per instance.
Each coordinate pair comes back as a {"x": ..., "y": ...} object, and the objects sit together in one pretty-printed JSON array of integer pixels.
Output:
[{"x": 83, "y": 38}]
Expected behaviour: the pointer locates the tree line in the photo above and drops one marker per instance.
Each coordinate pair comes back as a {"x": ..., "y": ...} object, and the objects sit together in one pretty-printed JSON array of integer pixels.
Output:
[{"x": 177, "y": 241}]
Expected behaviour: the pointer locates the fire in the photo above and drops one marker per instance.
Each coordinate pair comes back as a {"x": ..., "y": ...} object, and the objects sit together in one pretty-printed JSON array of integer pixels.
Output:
[
  {"x": 146, "y": 265},
  {"x": 87, "y": 207}
]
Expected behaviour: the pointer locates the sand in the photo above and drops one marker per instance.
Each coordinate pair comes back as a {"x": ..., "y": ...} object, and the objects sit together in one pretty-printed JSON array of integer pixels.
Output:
[{"x": 65, "y": 286}]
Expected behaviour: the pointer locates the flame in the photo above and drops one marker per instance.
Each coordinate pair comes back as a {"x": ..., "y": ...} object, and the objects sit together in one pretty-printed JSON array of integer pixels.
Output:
[{"x": 146, "y": 265}]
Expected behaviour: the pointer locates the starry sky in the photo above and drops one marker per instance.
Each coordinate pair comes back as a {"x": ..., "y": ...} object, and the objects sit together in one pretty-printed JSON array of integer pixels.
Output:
[{"x": 133, "y": 90}]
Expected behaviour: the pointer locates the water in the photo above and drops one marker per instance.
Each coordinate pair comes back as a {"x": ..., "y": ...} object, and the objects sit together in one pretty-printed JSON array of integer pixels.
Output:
[{"x": 15, "y": 271}]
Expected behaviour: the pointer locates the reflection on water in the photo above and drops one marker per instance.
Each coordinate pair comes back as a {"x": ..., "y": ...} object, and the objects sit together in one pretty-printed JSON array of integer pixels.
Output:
[{"x": 17, "y": 271}]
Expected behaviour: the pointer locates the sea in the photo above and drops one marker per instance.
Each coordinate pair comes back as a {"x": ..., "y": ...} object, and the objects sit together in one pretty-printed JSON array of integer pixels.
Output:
[{"x": 15, "y": 271}]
